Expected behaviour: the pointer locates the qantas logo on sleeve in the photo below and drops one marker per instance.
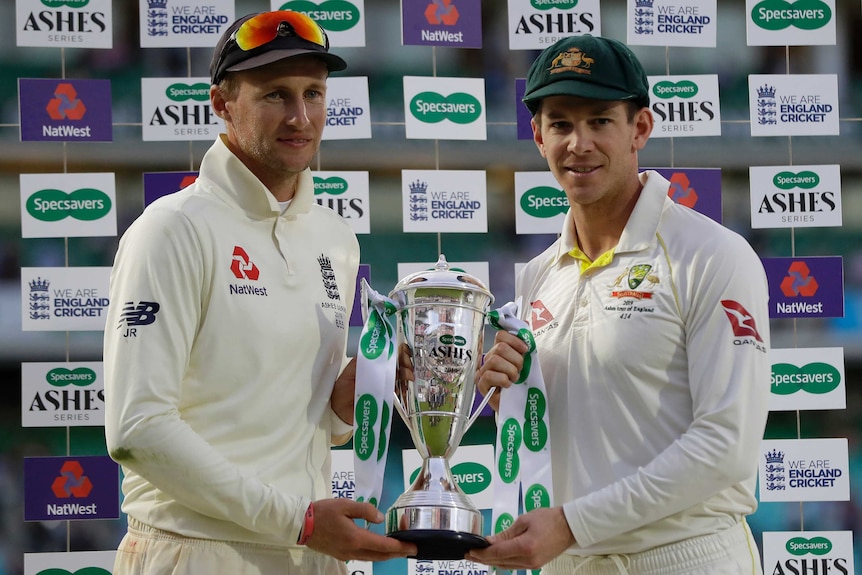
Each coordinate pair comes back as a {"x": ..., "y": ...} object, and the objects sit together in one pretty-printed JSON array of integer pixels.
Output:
[{"x": 741, "y": 322}]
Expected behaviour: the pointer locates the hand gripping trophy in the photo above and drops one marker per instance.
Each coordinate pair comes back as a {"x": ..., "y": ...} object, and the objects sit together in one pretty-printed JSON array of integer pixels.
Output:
[{"x": 439, "y": 326}]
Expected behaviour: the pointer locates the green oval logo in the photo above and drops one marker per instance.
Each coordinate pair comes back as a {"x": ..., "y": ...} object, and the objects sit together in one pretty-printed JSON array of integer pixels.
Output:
[
  {"x": 79, "y": 377},
  {"x": 504, "y": 521},
  {"x": 384, "y": 425},
  {"x": 180, "y": 92},
  {"x": 431, "y": 108},
  {"x": 682, "y": 89},
  {"x": 448, "y": 339},
  {"x": 69, "y": 3},
  {"x": 332, "y": 15},
  {"x": 779, "y": 14},
  {"x": 508, "y": 463},
  {"x": 86, "y": 204},
  {"x": 536, "y": 496},
  {"x": 544, "y": 202},
  {"x": 548, "y": 4},
  {"x": 471, "y": 477},
  {"x": 372, "y": 344},
  {"x": 803, "y": 546},
  {"x": 816, "y": 378},
  {"x": 365, "y": 415},
  {"x": 334, "y": 186},
  {"x": 535, "y": 430},
  {"x": 805, "y": 179}
]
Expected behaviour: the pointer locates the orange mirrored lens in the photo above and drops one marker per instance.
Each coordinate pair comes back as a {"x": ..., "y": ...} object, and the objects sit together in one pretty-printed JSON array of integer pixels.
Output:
[{"x": 263, "y": 28}]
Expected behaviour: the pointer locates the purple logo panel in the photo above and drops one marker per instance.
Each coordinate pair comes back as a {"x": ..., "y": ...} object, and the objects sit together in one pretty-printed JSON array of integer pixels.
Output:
[
  {"x": 158, "y": 184},
  {"x": 356, "y": 312},
  {"x": 456, "y": 23},
  {"x": 696, "y": 188},
  {"x": 805, "y": 287},
  {"x": 67, "y": 488},
  {"x": 65, "y": 110}
]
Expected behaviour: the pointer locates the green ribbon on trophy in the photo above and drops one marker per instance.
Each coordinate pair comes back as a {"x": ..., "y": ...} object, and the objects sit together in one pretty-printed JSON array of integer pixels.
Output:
[
  {"x": 523, "y": 455},
  {"x": 376, "y": 363}
]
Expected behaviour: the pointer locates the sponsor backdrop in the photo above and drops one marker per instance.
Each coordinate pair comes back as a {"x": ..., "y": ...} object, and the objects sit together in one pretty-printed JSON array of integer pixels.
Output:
[{"x": 65, "y": 393}]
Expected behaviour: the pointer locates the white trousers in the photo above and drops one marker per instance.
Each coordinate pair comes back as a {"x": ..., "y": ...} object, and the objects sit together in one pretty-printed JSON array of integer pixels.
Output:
[
  {"x": 730, "y": 552},
  {"x": 145, "y": 550}
]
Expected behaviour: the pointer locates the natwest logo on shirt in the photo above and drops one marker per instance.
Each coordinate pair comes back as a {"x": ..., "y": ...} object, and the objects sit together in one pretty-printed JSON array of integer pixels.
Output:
[{"x": 242, "y": 267}]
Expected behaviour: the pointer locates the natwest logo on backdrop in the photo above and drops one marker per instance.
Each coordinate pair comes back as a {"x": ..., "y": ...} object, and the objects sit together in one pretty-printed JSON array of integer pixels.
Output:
[
  {"x": 805, "y": 287},
  {"x": 158, "y": 184},
  {"x": 183, "y": 23},
  {"x": 66, "y": 488},
  {"x": 64, "y": 23},
  {"x": 65, "y": 110},
  {"x": 695, "y": 188},
  {"x": 455, "y": 23}
]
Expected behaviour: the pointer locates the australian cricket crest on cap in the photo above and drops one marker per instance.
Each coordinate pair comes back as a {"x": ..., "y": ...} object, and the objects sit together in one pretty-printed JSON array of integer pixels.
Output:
[{"x": 572, "y": 60}]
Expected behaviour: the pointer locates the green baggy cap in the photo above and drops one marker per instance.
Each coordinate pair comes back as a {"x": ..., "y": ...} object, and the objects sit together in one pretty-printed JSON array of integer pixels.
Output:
[{"x": 586, "y": 66}]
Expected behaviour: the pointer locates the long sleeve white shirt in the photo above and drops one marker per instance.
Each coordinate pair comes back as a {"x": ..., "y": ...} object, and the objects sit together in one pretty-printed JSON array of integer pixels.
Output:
[
  {"x": 226, "y": 331},
  {"x": 657, "y": 373}
]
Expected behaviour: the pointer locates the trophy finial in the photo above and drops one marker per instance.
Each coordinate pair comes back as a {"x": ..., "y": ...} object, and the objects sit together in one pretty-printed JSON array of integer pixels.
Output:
[{"x": 442, "y": 265}]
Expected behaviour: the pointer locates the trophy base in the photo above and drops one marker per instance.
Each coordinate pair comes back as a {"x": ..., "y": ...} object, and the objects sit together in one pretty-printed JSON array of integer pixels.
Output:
[{"x": 440, "y": 544}]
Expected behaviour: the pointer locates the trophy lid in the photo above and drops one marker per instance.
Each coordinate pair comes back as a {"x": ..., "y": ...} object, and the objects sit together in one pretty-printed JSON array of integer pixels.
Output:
[{"x": 442, "y": 277}]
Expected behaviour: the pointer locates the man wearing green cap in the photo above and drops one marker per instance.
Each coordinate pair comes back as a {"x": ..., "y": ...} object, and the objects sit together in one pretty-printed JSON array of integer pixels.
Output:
[{"x": 652, "y": 329}]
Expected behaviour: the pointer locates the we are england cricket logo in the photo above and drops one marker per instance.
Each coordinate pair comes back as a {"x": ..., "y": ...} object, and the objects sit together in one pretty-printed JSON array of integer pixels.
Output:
[
  {"x": 793, "y": 104},
  {"x": 183, "y": 23},
  {"x": 445, "y": 200},
  {"x": 672, "y": 22}
]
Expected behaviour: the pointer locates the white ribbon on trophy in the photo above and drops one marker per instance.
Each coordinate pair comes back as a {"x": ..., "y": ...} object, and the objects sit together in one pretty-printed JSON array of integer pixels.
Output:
[
  {"x": 523, "y": 455},
  {"x": 376, "y": 363}
]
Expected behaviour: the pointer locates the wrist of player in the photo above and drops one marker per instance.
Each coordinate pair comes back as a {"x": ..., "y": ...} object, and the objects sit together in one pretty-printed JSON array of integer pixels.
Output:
[{"x": 307, "y": 526}]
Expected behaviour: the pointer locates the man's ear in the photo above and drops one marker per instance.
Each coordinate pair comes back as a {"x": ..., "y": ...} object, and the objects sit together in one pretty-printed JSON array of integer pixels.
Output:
[
  {"x": 537, "y": 136},
  {"x": 644, "y": 123},
  {"x": 218, "y": 102}
]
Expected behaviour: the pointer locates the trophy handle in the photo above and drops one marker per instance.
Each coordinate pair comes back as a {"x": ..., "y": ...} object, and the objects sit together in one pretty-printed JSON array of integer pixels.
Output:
[{"x": 479, "y": 409}]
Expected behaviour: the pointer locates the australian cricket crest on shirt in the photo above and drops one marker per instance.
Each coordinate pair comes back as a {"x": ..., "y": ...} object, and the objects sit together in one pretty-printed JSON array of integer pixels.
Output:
[
  {"x": 330, "y": 285},
  {"x": 632, "y": 290}
]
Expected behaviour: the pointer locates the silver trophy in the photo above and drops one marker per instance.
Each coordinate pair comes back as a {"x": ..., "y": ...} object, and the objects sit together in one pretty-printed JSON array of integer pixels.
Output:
[{"x": 440, "y": 334}]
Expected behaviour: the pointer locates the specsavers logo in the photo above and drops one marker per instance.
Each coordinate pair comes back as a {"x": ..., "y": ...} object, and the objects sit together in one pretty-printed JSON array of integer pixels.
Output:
[
  {"x": 471, "y": 477},
  {"x": 432, "y": 107},
  {"x": 682, "y": 89},
  {"x": 332, "y": 15},
  {"x": 548, "y": 4},
  {"x": 816, "y": 378},
  {"x": 86, "y": 204},
  {"x": 802, "y": 14},
  {"x": 333, "y": 185},
  {"x": 62, "y": 3},
  {"x": 814, "y": 546},
  {"x": 544, "y": 202},
  {"x": 180, "y": 92},
  {"x": 84, "y": 571},
  {"x": 80, "y": 377}
]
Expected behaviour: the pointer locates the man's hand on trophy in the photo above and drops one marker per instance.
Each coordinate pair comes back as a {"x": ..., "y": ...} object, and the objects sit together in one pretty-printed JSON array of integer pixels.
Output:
[
  {"x": 405, "y": 364},
  {"x": 336, "y": 534},
  {"x": 501, "y": 365},
  {"x": 533, "y": 540}
]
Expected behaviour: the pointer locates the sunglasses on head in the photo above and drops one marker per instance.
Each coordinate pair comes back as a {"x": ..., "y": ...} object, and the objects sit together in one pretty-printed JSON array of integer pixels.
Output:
[{"x": 266, "y": 27}]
